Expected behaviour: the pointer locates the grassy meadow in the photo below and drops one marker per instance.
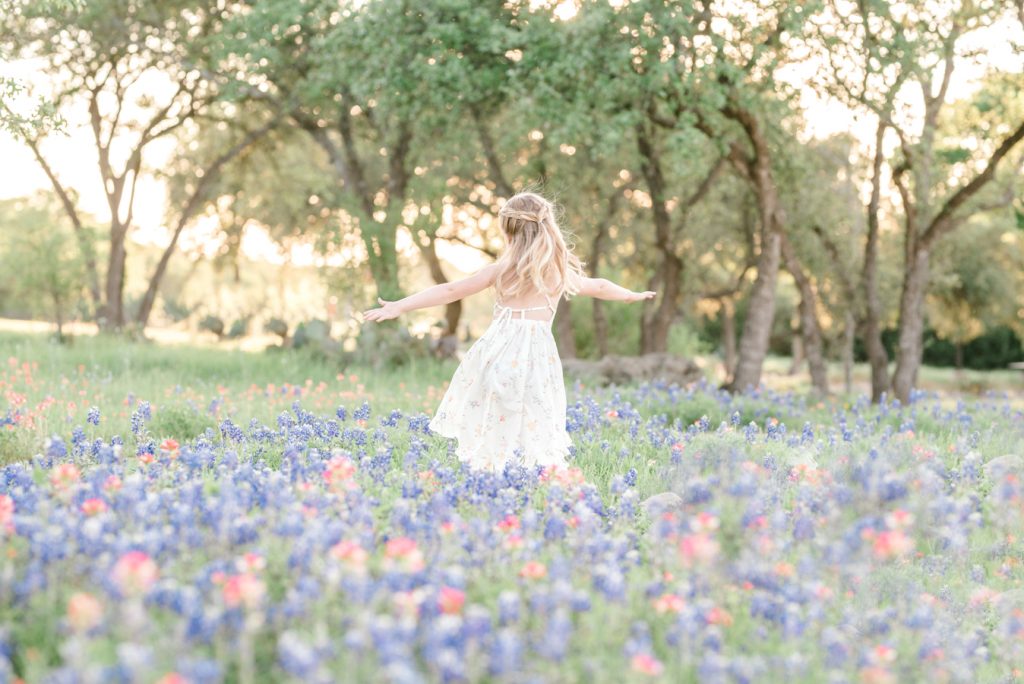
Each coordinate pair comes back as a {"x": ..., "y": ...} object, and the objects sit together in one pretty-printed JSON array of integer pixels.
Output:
[{"x": 189, "y": 513}]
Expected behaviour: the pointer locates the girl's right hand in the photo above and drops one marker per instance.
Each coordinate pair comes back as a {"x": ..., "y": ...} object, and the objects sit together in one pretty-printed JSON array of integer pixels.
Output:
[
  {"x": 386, "y": 312},
  {"x": 640, "y": 296}
]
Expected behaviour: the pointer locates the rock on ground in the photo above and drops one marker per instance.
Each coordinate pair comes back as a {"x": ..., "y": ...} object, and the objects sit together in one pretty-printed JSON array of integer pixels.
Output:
[
  {"x": 621, "y": 370},
  {"x": 665, "y": 502},
  {"x": 1003, "y": 465}
]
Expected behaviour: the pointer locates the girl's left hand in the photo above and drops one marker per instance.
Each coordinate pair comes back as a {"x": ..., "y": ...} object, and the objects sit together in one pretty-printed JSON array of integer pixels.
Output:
[
  {"x": 386, "y": 312},
  {"x": 640, "y": 296}
]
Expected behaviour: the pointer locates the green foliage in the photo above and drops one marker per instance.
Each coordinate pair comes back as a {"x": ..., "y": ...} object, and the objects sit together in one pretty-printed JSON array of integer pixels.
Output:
[
  {"x": 387, "y": 346},
  {"x": 994, "y": 350},
  {"x": 277, "y": 326},
  {"x": 685, "y": 340},
  {"x": 26, "y": 124},
  {"x": 16, "y": 446},
  {"x": 315, "y": 337},
  {"x": 414, "y": 119},
  {"x": 37, "y": 246},
  {"x": 979, "y": 280},
  {"x": 214, "y": 324},
  {"x": 175, "y": 309},
  {"x": 622, "y": 318},
  {"x": 239, "y": 328},
  {"x": 182, "y": 423}
]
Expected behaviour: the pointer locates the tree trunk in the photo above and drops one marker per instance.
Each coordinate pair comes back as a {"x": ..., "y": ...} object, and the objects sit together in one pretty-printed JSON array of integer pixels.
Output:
[
  {"x": 656, "y": 326},
  {"x": 649, "y": 309},
  {"x": 654, "y": 336},
  {"x": 453, "y": 310},
  {"x": 877, "y": 356},
  {"x": 596, "y": 250},
  {"x": 757, "y": 327},
  {"x": 452, "y": 315},
  {"x": 565, "y": 336},
  {"x": 918, "y": 244},
  {"x": 113, "y": 305},
  {"x": 149, "y": 298},
  {"x": 380, "y": 246},
  {"x": 810, "y": 329},
  {"x": 659, "y": 325},
  {"x": 796, "y": 345},
  {"x": 958, "y": 356},
  {"x": 600, "y": 328},
  {"x": 729, "y": 336},
  {"x": 58, "y": 315},
  {"x": 911, "y": 332},
  {"x": 849, "y": 331}
]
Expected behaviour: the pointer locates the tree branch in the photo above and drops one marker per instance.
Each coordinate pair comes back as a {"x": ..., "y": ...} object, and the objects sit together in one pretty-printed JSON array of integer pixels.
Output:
[
  {"x": 729, "y": 290},
  {"x": 455, "y": 238},
  {"x": 944, "y": 220},
  {"x": 835, "y": 254},
  {"x": 398, "y": 174},
  {"x": 705, "y": 185},
  {"x": 190, "y": 208},
  {"x": 113, "y": 184},
  {"x": 76, "y": 221},
  {"x": 933, "y": 103},
  {"x": 497, "y": 173},
  {"x": 338, "y": 160}
]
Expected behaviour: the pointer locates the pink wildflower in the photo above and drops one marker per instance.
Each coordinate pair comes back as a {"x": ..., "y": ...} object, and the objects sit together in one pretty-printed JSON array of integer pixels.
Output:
[{"x": 135, "y": 572}]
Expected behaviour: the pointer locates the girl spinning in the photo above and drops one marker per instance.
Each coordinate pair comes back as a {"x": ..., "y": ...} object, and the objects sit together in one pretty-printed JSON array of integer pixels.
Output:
[{"x": 506, "y": 402}]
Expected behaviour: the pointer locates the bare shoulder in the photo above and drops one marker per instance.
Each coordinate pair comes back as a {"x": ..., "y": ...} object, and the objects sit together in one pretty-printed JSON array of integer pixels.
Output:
[
  {"x": 488, "y": 273},
  {"x": 588, "y": 286},
  {"x": 472, "y": 284}
]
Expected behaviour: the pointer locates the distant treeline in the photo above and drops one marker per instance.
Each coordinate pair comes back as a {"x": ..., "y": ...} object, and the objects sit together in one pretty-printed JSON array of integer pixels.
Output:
[{"x": 677, "y": 137}]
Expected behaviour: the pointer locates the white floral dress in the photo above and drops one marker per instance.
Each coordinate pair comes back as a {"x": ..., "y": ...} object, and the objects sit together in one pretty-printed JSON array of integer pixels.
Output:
[{"x": 506, "y": 401}]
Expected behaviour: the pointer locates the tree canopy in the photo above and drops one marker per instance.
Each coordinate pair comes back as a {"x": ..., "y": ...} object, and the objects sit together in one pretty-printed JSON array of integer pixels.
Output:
[{"x": 676, "y": 136}]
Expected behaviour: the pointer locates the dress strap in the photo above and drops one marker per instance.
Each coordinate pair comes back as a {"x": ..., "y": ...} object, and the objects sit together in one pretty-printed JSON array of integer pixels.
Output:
[{"x": 505, "y": 312}]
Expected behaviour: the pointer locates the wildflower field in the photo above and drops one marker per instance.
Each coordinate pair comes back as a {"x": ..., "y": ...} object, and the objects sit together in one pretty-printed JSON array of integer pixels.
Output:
[{"x": 170, "y": 515}]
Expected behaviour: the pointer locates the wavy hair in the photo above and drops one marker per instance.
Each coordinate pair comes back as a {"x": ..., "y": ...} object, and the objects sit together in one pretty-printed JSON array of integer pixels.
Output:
[{"x": 538, "y": 256}]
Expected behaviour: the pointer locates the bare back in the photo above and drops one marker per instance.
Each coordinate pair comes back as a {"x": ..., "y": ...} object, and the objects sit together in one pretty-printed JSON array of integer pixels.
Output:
[{"x": 532, "y": 306}]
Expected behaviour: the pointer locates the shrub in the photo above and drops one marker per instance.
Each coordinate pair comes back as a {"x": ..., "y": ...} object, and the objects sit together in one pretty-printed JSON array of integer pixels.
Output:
[
  {"x": 278, "y": 327},
  {"x": 387, "y": 346},
  {"x": 240, "y": 328},
  {"x": 176, "y": 310},
  {"x": 183, "y": 423},
  {"x": 213, "y": 324},
  {"x": 16, "y": 445}
]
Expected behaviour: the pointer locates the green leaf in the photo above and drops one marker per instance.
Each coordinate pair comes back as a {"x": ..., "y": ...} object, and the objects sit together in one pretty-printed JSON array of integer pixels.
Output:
[{"x": 954, "y": 155}]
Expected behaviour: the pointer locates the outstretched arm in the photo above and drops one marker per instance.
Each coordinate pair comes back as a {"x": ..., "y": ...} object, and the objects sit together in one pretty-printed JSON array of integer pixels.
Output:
[
  {"x": 602, "y": 288},
  {"x": 442, "y": 293}
]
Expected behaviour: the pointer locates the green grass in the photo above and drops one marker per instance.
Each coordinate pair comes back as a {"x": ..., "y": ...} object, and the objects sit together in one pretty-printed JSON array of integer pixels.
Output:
[
  {"x": 55, "y": 386},
  {"x": 182, "y": 382},
  {"x": 58, "y": 384},
  {"x": 143, "y": 367}
]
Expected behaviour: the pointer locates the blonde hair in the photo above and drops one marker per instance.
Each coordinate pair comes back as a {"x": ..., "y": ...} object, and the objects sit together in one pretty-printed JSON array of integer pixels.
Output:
[{"x": 537, "y": 252}]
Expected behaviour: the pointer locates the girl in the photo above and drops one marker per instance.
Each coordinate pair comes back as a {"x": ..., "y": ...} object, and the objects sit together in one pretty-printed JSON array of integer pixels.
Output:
[{"x": 506, "y": 401}]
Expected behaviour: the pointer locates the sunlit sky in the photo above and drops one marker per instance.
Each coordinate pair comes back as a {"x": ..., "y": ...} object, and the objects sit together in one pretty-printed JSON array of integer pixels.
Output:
[{"x": 74, "y": 155}]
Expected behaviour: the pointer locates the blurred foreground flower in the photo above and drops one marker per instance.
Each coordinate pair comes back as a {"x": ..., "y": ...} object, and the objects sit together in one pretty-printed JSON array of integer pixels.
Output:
[{"x": 135, "y": 572}]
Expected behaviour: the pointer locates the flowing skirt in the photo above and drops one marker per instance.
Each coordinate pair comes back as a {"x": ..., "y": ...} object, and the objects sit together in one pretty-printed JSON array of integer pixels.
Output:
[{"x": 506, "y": 401}]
